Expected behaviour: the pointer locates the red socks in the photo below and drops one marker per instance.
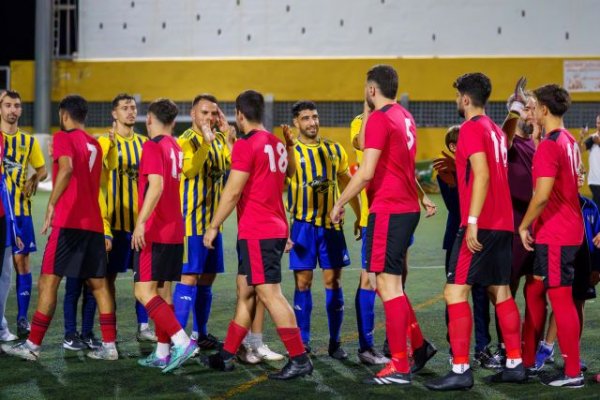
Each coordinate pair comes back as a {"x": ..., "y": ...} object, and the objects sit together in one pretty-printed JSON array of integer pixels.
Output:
[
  {"x": 460, "y": 326},
  {"x": 510, "y": 325},
  {"x": 235, "y": 334},
  {"x": 39, "y": 326},
  {"x": 535, "y": 319},
  {"x": 108, "y": 327},
  {"x": 163, "y": 317},
  {"x": 567, "y": 324},
  {"x": 292, "y": 340},
  {"x": 414, "y": 330},
  {"x": 396, "y": 325}
]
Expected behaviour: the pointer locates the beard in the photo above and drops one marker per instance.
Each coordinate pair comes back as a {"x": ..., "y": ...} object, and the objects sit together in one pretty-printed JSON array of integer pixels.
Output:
[
  {"x": 461, "y": 112},
  {"x": 370, "y": 102},
  {"x": 11, "y": 118},
  {"x": 525, "y": 127},
  {"x": 128, "y": 125}
]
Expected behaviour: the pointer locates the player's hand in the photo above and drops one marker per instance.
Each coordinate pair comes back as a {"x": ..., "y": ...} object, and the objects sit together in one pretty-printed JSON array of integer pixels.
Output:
[
  {"x": 222, "y": 124},
  {"x": 207, "y": 133},
  {"x": 108, "y": 244},
  {"x": 288, "y": 246},
  {"x": 138, "y": 240},
  {"x": 357, "y": 230},
  {"x": 446, "y": 163},
  {"x": 20, "y": 244},
  {"x": 594, "y": 278},
  {"x": 290, "y": 140},
  {"x": 2, "y": 95},
  {"x": 596, "y": 240},
  {"x": 516, "y": 102},
  {"x": 48, "y": 219},
  {"x": 111, "y": 134},
  {"x": 337, "y": 214},
  {"x": 429, "y": 206},
  {"x": 472, "y": 243},
  {"x": 583, "y": 133},
  {"x": 209, "y": 237},
  {"x": 31, "y": 186},
  {"x": 231, "y": 136},
  {"x": 526, "y": 239}
]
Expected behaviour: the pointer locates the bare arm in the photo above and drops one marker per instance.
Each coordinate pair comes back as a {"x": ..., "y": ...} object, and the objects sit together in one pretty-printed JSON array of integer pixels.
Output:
[
  {"x": 481, "y": 181},
  {"x": 344, "y": 180},
  {"x": 155, "y": 189},
  {"x": 65, "y": 171},
  {"x": 543, "y": 189}
]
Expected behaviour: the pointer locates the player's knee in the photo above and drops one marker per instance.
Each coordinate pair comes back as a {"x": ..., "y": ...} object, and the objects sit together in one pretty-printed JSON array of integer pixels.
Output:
[
  {"x": 189, "y": 279},
  {"x": 303, "y": 281},
  {"x": 206, "y": 279}
]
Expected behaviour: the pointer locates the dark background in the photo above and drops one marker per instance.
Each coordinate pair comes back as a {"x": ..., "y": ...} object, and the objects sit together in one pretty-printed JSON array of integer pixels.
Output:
[{"x": 17, "y": 24}]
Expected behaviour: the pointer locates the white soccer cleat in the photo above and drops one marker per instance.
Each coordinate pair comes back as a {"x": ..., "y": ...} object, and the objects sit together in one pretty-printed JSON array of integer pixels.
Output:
[
  {"x": 146, "y": 335},
  {"x": 247, "y": 356},
  {"x": 7, "y": 336},
  {"x": 265, "y": 353},
  {"x": 104, "y": 353},
  {"x": 372, "y": 356},
  {"x": 21, "y": 350}
]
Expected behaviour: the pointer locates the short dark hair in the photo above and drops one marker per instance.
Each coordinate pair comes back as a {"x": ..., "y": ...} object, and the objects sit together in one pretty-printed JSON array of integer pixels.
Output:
[
  {"x": 13, "y": 94},
  {"x": 556, "y": 98},
  {"x": 386, "y": 77},
  {"x": 476, "y": 85},
  {"x": 252, "y": 105},
  {"x": 302, "y": 105},
  {"x": 204, "y": 96},
  {"x": 120, "y": 97},
  {"x": 452, "y": 135},
  {"x": 76, "y": 106},
  {"x": 165, "y": 110}
]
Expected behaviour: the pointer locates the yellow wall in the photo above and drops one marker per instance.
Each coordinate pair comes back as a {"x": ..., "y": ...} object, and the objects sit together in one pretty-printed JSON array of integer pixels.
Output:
[{"x": 289, "y": 80}]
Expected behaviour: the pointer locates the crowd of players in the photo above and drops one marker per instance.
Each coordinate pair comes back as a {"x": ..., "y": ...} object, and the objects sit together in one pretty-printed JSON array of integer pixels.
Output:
[{"x": 511, "y": 193}]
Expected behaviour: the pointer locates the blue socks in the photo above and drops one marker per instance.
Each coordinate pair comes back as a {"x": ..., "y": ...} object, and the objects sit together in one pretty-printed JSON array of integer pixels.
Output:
[
  {"x": 73, "y": 288},
  {"x": 88, "y": 311},
  {"x": 334, "y": 304},
  {"x": 183, "y": 298},
  {"x": 365, "y": 317},
  {"x": 202, "y": 306},
  {"x": 141, "y": 313},
  {"x": 24, "y": 285},
  {"x": 303, "y": 305}
]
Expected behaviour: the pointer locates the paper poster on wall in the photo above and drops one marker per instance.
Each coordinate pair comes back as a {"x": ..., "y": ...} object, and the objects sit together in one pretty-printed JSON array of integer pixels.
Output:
[{"x": 582, "y": 76}]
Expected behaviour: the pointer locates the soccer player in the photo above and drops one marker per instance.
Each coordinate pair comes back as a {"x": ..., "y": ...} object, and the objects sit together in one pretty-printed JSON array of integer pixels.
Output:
[
  {"x": 483, "y": 244},
  {"x": 206, "y": 160},
  {"x": 76, "y": 245},
  {"x": 388, "y": 173},
  {"x": 259, "y": 163},
  {"x": 321, "y": 172},
  {"x": 123, "y": 150},
  {"x": 158, "y": 237},
  {"x": 21, "y": 151},
  {"x": 592, "y": 144},
  {"x": 558, "y": 234}
]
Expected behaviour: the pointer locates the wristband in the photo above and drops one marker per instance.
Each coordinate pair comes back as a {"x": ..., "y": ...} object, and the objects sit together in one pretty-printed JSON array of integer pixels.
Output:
[
  {"x": 472, "y": 220},
  {"x": 516, "y": 106}
]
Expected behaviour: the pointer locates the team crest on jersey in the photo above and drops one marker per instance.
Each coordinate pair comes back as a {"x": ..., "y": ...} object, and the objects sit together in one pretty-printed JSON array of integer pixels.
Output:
[
  {"x": 320, "y": 184},
  {"x": 10, "y": 166},
  {"x": 332, "y": 157},
  {"x": 131, "y": 172},
  {"x": 215, "y": 173}
]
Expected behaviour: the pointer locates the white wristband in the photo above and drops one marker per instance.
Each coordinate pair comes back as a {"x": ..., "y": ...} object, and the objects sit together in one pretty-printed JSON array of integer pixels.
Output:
[{"x": 472, "y": 220}]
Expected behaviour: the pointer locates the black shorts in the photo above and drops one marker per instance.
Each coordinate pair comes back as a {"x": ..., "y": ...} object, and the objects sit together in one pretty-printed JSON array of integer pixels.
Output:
[
  {"x": 555, "y": 263},
  {"x": 158, "y": 262},
  {"x": 75, "y": 253},
  {"x": 490, "y": 266},
  {"x": 582, "y": 290},
  {"x": 522, "y": 259},
  {"x": 388, "y": 238},
  {"x": 260, "y": 260}
]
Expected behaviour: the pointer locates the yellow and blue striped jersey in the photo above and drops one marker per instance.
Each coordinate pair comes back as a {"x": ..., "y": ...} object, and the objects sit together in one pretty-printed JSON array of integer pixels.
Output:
[
  {"x": 121, "y": 180},
  {"x": 21, "y": 151},
  {"x": 314, "y": 188},
  {"x": 364, "y": 202},
  {"x": 203, "y": 178}
]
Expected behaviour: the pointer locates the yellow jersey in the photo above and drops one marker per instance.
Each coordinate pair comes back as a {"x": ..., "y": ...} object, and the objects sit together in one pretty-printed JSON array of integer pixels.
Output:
[
  {"x": 364, "y": 202},
  {"x": 120, "y": 180},
  {"x": 313, "y": 189},
  {"x": 20, "y": 151},
  {"x": 203, "y": 178}
]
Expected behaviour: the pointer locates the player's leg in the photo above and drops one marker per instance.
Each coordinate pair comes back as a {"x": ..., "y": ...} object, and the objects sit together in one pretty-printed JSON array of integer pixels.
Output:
[
  {"x": 88, "y": 314},
  {"x": 107, "y": 318},
  {"x": 185, "y": 290},
  {"x": 481, "y": 318},
  {"x": 510, "y": 325},
  {"x": 24, "y": 286},
  {"x": 303, "y": 303},
  {"x": 5, "y": 281},
  {"x": 72, "y": 340},
  {"x": 545, "y": 350},
  {"x": 535, "y": 318},
  {"x": 255, "y": 336},
  {"x": 202, "y": 308}
]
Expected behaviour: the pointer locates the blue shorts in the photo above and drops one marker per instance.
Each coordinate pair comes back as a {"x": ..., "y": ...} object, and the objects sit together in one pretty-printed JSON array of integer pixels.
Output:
[
  {"x": 197, "y": 259},
  {"x": 25, "y": 225},
  {"x": 315, "y": 243},
  {"x": 120, "y": 258},
  {"x": 363, "y": 249}
]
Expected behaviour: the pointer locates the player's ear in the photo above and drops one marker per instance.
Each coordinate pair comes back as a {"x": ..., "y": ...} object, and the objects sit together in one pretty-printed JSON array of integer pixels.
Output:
[{"x": 114, "y": 115}]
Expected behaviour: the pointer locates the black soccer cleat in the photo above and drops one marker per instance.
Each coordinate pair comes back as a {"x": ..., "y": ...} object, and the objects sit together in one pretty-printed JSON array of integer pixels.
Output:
[
  {"x": 336, "y": 351},
  {"x": 517, "y": 374},
  {"x": 209, "y": 342},
  {"x": 561, "y": 380},
  {"x": 422, "y": 355},
  {"x": 452, "y": 381},
  {"x": 218, "y": 362},
  {"x": 296, "y": 367}
]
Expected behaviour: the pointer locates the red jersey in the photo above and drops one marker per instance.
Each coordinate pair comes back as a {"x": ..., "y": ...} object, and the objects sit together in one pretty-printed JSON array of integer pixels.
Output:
[
  {"x": 481, "y": 135},
  {"x": 393, "y": 189},
  {"x": 162, "y": 156},
  {"x": 260, "y": 209},
  {"x": 78, "y": 206},
  {"x": 561, "y": 222}
]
